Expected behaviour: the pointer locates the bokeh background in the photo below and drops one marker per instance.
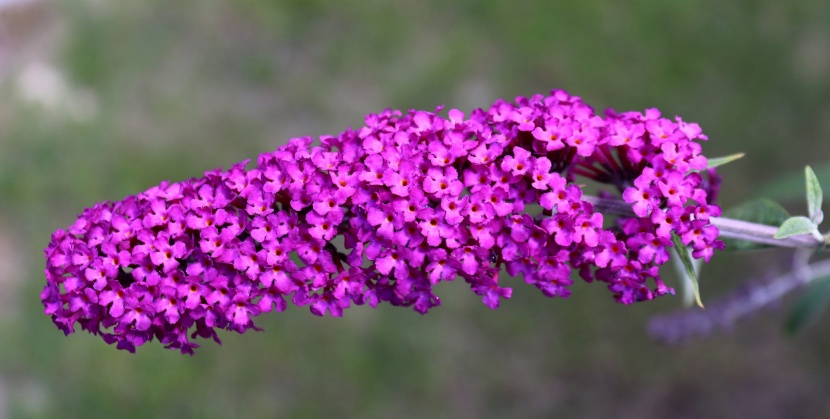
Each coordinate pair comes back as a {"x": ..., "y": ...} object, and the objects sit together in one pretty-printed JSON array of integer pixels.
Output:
[{"x": 101, "y": 99}]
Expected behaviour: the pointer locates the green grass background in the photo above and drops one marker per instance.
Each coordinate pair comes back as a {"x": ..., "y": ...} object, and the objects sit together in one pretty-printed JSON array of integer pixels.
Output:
[{"x": 183, "y": 87}]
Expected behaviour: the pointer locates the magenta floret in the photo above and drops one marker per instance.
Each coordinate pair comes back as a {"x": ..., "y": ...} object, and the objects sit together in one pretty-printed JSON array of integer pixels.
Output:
[{"x": 383, "y": 214}]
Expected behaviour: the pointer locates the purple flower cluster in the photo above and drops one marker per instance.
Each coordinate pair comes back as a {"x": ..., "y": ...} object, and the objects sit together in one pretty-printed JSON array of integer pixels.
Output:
[{"x": 384, "y": 213}]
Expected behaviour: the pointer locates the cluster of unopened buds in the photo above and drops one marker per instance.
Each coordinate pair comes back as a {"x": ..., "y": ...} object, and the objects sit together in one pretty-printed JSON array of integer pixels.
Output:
[{"x": 383, "y": 214}]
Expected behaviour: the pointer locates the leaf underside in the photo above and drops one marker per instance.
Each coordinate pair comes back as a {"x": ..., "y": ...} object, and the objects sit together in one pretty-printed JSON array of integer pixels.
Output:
[{"x": 683, "y": 253}]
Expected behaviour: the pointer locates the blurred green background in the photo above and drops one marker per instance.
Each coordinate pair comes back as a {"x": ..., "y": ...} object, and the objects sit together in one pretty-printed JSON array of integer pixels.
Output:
[{"x": 102, "y": 99}]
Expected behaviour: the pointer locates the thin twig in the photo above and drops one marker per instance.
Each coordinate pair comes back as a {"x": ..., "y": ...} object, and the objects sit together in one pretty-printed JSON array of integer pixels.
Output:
[{"x": 722, "y": 314}]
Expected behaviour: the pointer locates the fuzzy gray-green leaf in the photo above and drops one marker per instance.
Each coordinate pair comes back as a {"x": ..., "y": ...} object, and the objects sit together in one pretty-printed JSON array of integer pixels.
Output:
[
  {"x": 795, "y": 226},
  {"x": 814, "y": 196}
]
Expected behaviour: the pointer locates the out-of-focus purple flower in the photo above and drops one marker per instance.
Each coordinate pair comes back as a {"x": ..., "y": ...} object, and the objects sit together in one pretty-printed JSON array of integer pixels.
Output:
[{"x": 382, "y": 214}]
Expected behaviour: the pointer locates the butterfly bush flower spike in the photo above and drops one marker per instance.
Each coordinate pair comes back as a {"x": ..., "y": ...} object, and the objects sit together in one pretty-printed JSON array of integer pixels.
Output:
[{"x": 384, "y": 214}]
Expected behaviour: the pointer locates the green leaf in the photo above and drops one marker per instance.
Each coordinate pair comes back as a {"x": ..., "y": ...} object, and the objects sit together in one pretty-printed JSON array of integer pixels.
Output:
[
  {"x": 811, "y": 304},
  {"x": 683, "y": 253},
  {"x": 720, "y": 161},
  {"x": 814, "y": 197},
  {"x": 759, "y": 211},
  {"x": 795, "y": 226}
]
